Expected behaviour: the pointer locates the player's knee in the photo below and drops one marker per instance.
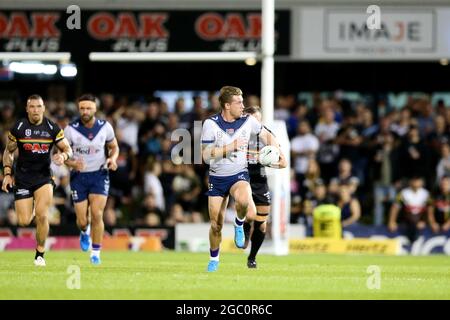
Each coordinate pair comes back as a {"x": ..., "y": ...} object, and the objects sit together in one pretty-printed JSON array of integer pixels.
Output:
[
  {"x": 96, "y": 216},
  {"x": 82, "y": 223},
  {"x": 23, "y": 221},
  {"x": 216, "y": 227},
  {"x": 241, "y": 204},
  {"x": 261, "y": 225},
  {"x": 251, "y": 215},
  {"x": 41, "y": 219}
]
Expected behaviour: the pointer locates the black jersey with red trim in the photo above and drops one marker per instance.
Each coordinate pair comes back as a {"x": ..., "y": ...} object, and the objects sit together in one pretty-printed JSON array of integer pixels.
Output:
[{"x": 35, "y": 143}]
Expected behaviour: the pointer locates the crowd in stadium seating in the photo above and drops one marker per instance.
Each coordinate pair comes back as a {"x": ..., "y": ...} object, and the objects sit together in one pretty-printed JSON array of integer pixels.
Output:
[{"x": 363, "y": 154}]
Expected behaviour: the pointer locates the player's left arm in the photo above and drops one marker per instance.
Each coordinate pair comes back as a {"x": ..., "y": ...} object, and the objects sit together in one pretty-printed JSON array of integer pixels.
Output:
[
  {"x": 113, "y": 153},
  {"x": 269, "y": 139}
]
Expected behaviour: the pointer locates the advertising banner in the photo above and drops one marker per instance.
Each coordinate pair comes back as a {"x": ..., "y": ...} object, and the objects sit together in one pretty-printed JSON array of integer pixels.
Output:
[
  {"x": 139, "y": 31},
  {"x": 327, "y": 33}
]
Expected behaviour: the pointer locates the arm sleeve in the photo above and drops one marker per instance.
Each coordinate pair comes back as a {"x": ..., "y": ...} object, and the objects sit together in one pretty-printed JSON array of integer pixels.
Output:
[
  {"x": 208, "y": 133},
  {"x": 68, "y": 134},
  {"x": 13, "y": 134},
  {"x": 109, "y": 132},
  {"x": 255, "y": 125},
  {"x": 58, "y": 133}
]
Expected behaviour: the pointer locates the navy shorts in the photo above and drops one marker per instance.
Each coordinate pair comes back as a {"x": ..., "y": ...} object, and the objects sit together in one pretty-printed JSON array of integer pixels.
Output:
[
  {"x": 83, "y": 184},
  {"x": 220, "y": 186}
]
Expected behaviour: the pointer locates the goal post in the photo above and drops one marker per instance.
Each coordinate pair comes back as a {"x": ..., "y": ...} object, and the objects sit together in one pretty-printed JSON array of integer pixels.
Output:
[{"x": 280, "y": 189}]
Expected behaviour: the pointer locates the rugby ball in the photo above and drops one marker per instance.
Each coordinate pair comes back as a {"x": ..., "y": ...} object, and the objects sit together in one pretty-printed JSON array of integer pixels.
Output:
[{"x": 269, "y": 155}]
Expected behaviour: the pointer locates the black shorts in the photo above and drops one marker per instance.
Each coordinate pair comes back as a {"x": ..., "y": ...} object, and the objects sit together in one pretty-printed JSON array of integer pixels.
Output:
[
  {"x": 25, "y": 190},
  {"x": 260, "y": 193}
]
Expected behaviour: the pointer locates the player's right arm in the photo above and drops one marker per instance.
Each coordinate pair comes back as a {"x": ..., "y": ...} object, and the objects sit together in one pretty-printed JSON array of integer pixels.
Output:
[
  {"x": 209, "y": 149},
  {"x": 8, "y": 161},
  {"x": 211, "y": 152},
  {"x": 73, "y": 163}
]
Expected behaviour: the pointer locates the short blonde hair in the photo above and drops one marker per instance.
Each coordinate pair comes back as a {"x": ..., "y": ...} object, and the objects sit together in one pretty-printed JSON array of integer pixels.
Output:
[{"x": 227, "y": 93}]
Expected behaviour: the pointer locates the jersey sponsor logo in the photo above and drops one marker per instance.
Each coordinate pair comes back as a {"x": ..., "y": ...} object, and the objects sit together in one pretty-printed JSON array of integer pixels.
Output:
[
  {"x": 28, "y": 132},
  {"x": 86, "y": 150},
  {"x": 36, "y": 147},
  {"x": 37, "y": 132}
]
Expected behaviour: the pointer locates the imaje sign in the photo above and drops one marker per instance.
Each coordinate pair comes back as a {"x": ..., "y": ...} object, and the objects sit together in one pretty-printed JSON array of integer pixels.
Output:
[{"x": 345, "y": 34}]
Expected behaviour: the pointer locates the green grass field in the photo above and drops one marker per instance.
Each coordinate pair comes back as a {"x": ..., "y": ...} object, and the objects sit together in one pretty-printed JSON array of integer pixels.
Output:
[{"x": 175, "y": 276}]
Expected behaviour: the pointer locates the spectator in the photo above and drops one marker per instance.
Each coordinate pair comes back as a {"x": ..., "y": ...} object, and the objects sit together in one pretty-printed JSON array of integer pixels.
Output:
[
  {"x": 415, "y": 154},
  {"x": 344, "y": 177},
  {"x": 439, "y": 212},
  {"x": 350, "y": 207},
  {"x": 412, "y": 203},
  {"x": 443, "y": 167},
  {"x": 402, "y": 125},
  {"x": 384, "y": 163},
  {"x": 152, "y": 184},
  {"x": 312, "y": 176},
  {"x": 326, "y": 131},
  {"x": 123, "y": 179},
  {"x": 149, "y": 212},
  {"x": 312, "y": 201},
  {"x": 187, "y": 186},
  {"x": 127, "y": 119},
  {"x": 303, "y": 149},
  {"x": 298, "y": 115}
]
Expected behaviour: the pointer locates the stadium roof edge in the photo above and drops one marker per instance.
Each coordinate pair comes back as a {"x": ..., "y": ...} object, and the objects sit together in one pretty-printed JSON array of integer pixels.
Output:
[{"x": 199, "y": 4}]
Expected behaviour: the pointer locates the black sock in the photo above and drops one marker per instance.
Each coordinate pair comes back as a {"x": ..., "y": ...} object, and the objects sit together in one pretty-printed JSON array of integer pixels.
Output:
[
  {"x": 257, "y": 240},
  {"x": 247, "y": 227},
  {"x": 38, "y": 254}
]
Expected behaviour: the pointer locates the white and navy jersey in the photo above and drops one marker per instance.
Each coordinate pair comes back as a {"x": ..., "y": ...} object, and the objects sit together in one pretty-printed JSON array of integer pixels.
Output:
[
  {"x": 219, "y": 132},
  {"x": 89, "y": 143}
]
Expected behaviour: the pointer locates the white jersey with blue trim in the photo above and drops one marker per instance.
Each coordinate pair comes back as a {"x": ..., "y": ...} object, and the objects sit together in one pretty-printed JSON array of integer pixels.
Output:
[
  {"x": 218, "y": 132},
  {"x": 89, "y": 143}
]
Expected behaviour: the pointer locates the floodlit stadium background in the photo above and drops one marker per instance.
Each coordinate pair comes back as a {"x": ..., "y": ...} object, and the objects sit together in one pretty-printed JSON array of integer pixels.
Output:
[{"x": 373, "y": 86}]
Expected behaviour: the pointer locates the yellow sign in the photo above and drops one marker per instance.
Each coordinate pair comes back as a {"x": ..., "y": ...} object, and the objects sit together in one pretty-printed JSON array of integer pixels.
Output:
[
  {"x": 359, "y": 245},
  {"x": 327, "y": 221}
]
